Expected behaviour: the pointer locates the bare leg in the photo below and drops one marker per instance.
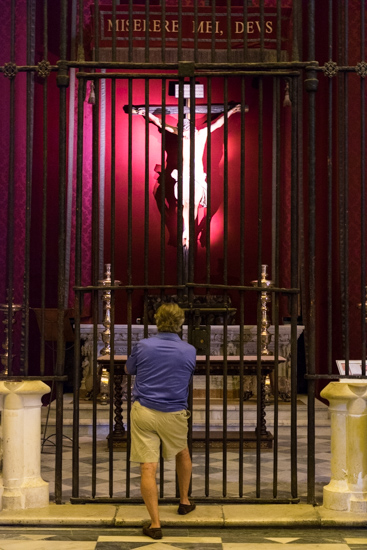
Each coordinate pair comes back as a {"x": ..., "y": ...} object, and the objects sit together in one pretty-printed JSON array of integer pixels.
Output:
[
  {"x": 184, "y": 468},
  {"x": 149, "y": 492}
]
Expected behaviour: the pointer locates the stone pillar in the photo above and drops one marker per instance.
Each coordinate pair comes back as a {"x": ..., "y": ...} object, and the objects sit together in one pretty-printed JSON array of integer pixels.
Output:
[
  {"x": 22, "y": 485},
  {"x": 347, "y": 489}
]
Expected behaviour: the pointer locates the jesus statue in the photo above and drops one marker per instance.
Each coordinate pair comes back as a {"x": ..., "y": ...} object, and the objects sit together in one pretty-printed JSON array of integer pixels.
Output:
[{"x": 201, "y": 135}]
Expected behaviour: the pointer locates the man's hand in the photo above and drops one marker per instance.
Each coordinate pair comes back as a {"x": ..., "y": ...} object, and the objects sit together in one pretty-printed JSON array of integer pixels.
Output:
[
  {"x": 138, "y": 111},
  {"x": 236, "y": 108}
]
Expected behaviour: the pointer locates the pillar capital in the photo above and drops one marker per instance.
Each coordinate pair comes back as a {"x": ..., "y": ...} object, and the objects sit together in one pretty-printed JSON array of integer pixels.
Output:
[{"x": 25, "y": 393}]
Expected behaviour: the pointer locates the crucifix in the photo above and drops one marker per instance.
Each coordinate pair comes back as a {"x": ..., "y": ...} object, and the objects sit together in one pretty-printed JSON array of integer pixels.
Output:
[{"x": 200, "y": 187}]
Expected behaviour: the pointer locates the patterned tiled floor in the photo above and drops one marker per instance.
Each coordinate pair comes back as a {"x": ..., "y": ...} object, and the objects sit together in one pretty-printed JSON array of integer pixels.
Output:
[
  {"x": 231, "y": 483},
  {"x": 185, "y": 539}
]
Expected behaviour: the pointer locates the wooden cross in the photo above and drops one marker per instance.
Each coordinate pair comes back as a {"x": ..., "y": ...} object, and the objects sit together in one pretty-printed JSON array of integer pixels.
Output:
[{"x": 215, "y": 108}]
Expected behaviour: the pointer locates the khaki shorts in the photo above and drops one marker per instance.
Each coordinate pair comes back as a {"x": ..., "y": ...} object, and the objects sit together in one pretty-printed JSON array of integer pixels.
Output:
[{"x": 150, "y": 427}]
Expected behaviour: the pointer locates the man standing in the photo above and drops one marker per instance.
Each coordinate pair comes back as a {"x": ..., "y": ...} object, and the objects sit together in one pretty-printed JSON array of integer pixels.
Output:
[{"x": 163, "y": 366}]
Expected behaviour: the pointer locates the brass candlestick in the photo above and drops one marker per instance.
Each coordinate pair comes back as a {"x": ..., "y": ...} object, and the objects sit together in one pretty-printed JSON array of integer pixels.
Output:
[
  {"x": 106, "y": 297},
  {"x": 106, "y": 334},
  {"x": 265, "y": 300}
]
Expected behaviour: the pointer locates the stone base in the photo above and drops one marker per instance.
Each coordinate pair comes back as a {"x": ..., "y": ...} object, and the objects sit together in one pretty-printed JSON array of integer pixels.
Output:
[
  {"x": 358, "y": 503},
  {"x": 337, "y": 496},
  {"x": 34, "y": 494}
]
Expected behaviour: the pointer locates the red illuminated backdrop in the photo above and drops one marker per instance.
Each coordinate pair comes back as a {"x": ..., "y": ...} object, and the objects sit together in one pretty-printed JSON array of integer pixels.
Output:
[{"x": 217, "y": 190}]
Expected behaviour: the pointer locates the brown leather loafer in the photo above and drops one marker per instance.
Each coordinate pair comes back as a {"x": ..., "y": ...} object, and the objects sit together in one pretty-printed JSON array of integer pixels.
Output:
[
  {"x": 184, "y": 509},
  {"x": 153, "y": 532}
]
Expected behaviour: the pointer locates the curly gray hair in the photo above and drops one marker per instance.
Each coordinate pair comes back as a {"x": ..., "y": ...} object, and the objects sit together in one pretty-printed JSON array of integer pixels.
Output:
[{"x": 169, "y": 318}]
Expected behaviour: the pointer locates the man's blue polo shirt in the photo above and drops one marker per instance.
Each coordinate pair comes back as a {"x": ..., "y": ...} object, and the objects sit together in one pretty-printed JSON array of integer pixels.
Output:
[{"x": 163, "y": 366}]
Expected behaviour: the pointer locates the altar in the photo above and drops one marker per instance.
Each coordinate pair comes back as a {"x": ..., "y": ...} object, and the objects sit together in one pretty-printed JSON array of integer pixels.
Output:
[{"x": 121, "y": 337}]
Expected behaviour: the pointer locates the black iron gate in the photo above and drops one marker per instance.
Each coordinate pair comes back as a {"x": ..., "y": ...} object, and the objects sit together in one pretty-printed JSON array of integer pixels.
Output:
[{"x": 129, "y": 77}]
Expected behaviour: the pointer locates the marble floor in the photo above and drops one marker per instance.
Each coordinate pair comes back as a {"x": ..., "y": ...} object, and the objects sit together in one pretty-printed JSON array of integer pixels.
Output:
[
  {"x": 183, "y": 539},
  {"x": 198, "y": 484}
]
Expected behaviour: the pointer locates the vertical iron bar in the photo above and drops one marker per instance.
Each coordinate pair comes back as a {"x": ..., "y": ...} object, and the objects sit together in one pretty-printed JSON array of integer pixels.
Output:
[
  {"x": 95, "y": 391},
  {"x": 11, "y": 191},
  {"x": 128, "y": 412},
  {"x": 330, "y": 202},
  {"x": 275, "y": 278},
  {"x": 129, "y": 277},
  {"x": 191, "y": 228},
  {"x": 163, "y": 230},
  {"x": 95, "y": 274},
  {"x": 208, "y": 178},
  {"x": 225, "y": 281},
  {"x": 294, "y": 284},
  {"x": 163, "y": 186},
  {"x": 304, "y": 302},
  {"x": 44, "y": 196},
  {"x": 346, "y": 191},
  {"x": 62, "y": 82},
  {"x": 225, "y": 405},
  {"x": 207, "y": 424},
  {"x": 29, "y": 153},
  {"x": 111, "y": 387},
  {"x": 242, "y": 282},
  {"x": 79, "y": 298},
  {"x": 113, "y": 263},
  {"x": 146, "y": 207},
  {"x": 208, "y": 218},
  {"x": 341, "y": 174},
  {"x": 363, "y": 199},
  {"x": 259, "y": 262},
  {"x": 181, "y": 264},
  {"x": 311, "y": 87}
]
